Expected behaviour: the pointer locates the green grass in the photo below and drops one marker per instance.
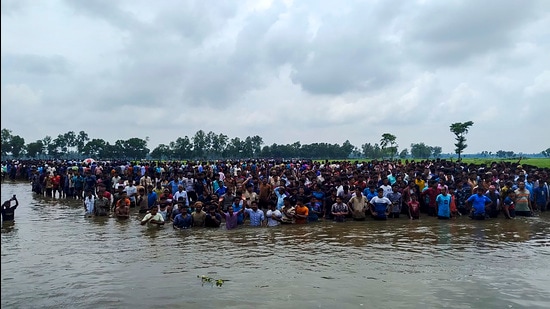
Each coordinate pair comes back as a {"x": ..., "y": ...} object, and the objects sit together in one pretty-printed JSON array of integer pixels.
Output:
[{"x": 537, "y": 162}]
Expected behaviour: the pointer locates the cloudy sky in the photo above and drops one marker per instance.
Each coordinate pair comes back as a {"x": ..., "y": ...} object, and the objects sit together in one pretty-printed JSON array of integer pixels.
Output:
[{"x": 308, "y": 71}]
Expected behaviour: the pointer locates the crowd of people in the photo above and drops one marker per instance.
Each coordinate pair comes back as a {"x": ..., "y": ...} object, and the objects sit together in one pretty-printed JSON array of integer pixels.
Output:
[{"x": 276, "y": 192}]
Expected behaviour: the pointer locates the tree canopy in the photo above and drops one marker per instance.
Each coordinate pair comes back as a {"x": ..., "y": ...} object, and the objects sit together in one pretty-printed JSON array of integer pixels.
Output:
[{"x": 460, "y": 129}]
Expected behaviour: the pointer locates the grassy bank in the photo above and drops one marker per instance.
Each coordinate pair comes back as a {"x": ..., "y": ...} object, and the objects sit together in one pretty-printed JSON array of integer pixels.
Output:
[{"x": 537, "y": 162}]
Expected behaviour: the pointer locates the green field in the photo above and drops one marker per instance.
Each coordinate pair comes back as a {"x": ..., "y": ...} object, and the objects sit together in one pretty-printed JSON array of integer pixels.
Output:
[{"x": 537, "y": 162}]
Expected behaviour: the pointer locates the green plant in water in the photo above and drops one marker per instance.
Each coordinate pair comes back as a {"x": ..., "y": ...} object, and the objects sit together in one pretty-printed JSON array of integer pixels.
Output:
[{"x": 211, "y": 281}]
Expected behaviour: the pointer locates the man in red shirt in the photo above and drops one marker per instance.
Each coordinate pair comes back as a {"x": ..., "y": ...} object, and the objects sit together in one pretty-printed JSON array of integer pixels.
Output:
[{"x": 430, "y": 196}]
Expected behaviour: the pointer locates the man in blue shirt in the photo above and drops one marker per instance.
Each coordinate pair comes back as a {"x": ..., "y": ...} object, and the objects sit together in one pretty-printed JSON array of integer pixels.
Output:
[
  {"x": 540, "y": 196},
  {"x": 443, "y": 205},
  {"x": 370, "y": 192},
  {"x": 281, "y": 194},
  {"x": 478, "y": 202},
  {"x": 257, "y": 217},
  {"x": 237, "y": 205},
  {"x": 152, "y": 197},
  {"x": 183, "y": 220},
  {"x": 380, "y": 208}
]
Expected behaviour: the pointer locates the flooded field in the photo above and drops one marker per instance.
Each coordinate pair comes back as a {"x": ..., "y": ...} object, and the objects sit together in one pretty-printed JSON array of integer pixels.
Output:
[{"x": 54, "y": 257}]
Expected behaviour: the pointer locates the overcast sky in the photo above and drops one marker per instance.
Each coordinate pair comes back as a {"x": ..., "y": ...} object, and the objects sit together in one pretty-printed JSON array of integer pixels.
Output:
[{"x": 308, "y": 71}]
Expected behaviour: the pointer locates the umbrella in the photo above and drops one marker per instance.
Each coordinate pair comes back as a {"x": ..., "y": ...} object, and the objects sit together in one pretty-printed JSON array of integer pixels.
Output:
[{"x": 88, "y": 161}]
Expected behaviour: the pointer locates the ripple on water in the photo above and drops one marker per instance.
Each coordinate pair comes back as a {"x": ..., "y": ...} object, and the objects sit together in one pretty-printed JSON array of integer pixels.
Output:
[{"x": 53, "y": 257}]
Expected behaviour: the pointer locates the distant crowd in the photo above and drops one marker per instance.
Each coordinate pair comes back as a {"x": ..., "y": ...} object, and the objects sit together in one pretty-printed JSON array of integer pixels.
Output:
[{"x": 260, "y": 192}]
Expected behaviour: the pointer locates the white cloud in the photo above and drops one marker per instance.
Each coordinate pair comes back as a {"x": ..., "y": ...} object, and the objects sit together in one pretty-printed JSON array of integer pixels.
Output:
[
  {"x": 540, "y": 86},
  {"x": 461, "y": 98},
  {"x": 20, "y": 96}
]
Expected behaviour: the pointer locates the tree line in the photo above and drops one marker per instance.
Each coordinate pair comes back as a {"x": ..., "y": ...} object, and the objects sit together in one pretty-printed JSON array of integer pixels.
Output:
[{"x": 211, "y": 145}]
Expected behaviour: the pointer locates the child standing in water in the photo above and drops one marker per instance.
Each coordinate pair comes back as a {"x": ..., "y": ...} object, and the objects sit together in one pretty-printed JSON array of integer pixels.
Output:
[{"x": 414, "y": 208}]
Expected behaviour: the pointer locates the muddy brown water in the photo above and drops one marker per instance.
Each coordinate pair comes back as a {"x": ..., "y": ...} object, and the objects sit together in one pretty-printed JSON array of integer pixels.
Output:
[{"x": 54, "y": 257}]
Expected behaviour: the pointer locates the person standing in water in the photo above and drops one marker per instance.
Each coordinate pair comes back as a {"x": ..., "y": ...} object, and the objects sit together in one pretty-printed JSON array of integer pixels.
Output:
[{"x": 8, "y": 211}]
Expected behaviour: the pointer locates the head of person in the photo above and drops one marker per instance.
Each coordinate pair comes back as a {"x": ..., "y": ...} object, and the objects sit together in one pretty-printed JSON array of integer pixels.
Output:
[
  {"x": 286, "y": 201},
  {"x": 480, "y": 190},
  {"x": 358, "y": 192},
  {"x": 521, "y": 185},
  {"x": 380, "y": 192},
  {"x": 183, "y": 209},
  {"x": 254, "y": 205},
  {"x": 212, "y": 210},
  {"x": 214, "y": 197},
  {"x": 198, "y": 206},
  {"x": 154, "y": 210},
  {"x": 444, "y": 190}
]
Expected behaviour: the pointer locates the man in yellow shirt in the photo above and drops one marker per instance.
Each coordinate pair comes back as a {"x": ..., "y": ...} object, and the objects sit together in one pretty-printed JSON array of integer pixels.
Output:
[{"x": 419, "y": 182}]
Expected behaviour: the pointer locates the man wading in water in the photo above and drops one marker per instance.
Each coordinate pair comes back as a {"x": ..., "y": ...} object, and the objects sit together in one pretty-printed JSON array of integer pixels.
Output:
[{"x": 8, "y": 211}]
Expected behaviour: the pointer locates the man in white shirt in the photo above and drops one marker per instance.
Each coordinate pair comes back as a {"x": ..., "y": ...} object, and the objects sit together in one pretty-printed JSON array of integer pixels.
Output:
[
  {"x": 153, "y": 218},
  {"x": 181, "y": 193},
  {"x": 131, "y": 192},
  {"x": 273, "y": 215}
]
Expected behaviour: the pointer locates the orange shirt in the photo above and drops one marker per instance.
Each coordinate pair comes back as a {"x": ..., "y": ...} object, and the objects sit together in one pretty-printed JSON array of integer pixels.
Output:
[
  {"x": 123, "y": 201},
  {"x": 453, "y": 204},
  {"x": 301, "y": 210}
]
